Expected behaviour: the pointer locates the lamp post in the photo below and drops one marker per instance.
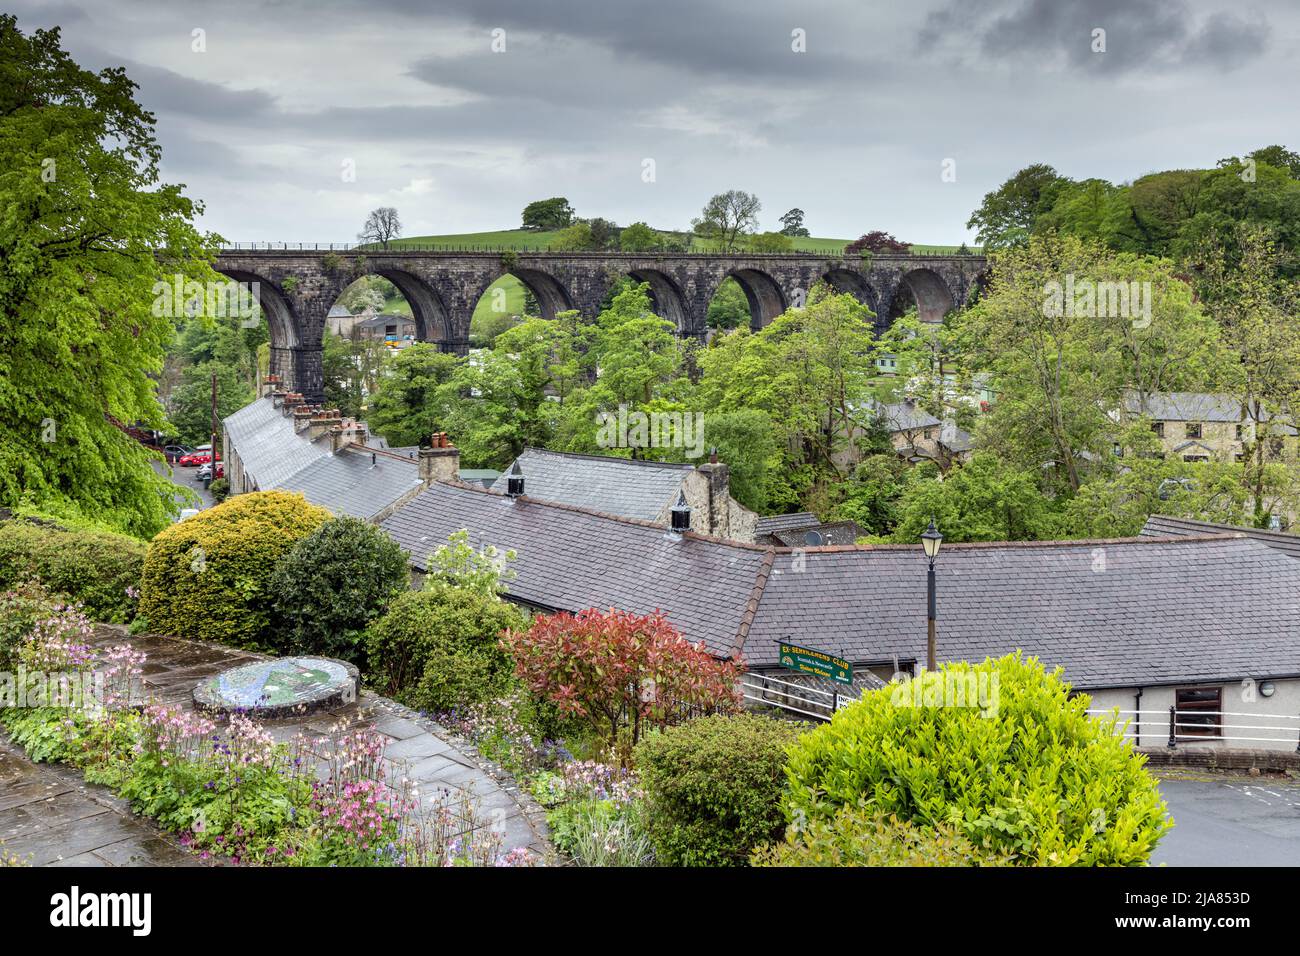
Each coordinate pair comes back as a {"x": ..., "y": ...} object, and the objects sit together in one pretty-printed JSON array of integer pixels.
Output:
[{"x": 930, "y": 541}]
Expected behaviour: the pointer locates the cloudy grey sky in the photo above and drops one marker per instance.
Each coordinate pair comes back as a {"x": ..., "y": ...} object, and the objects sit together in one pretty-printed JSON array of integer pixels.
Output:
[{"x": 855, "y": 130}]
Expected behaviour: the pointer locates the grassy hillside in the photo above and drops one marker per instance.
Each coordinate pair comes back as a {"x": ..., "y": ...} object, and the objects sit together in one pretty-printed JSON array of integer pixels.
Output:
[{"x": 526, "y": 239}]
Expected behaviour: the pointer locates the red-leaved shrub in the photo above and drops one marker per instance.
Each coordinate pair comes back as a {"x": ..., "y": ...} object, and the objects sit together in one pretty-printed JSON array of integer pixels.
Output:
[{"x": 618, "y": 669}]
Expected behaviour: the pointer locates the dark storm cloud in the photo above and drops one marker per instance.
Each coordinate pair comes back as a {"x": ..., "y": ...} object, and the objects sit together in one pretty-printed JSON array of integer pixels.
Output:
[
  {"x": 731, "y": 38},
  {"x": 854, "y": 131},
  {"x": 1156, "y": 35}
]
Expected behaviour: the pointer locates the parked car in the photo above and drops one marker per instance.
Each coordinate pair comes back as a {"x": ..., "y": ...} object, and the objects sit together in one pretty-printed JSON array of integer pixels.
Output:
[
  {"x": 205, "y": 471},
  {"x": 199, "y": 456},
  {"x": 174, "y": 453}
]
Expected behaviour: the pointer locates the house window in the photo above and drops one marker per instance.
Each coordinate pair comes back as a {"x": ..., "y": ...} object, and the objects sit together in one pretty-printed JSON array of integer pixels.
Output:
[
  {"x": 1196, "y": 458},
  {"x": 1193, "y": 429},
  {"x": 1158, "y": 428},
  {"x": 1241, "y": 430},
  {"x": 1198, "y": 711}
]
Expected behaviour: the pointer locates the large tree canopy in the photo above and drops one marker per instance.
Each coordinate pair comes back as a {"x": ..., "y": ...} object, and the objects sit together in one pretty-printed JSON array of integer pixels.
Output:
[{"x": 86, "y": 230}]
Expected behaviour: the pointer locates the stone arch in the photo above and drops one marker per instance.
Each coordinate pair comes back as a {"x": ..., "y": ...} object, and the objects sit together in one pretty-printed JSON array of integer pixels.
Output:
[
  {"x": 933, "y": 298},
  {"x": 766, "y": 300},
  {"x": 281, "y": 321},
  {"x": 432, "y": 320},
  {"x": 667, "y": 298},
  {"x": 552, "y": 297},
  {"x": 854, "y": 283}
]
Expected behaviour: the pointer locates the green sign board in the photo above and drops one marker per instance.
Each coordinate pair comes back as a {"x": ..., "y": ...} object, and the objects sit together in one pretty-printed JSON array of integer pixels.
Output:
[{"x": 806, "y": 660}]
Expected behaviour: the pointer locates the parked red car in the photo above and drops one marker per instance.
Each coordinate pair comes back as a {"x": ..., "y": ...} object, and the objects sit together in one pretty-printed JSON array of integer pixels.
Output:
[{"x": 199, "y": 456}]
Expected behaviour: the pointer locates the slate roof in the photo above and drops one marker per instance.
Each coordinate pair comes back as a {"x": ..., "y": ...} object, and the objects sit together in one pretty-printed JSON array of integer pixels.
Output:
[
  {"x": 571, "y": 559},
  {"x": 1185, "y": 406},
  {"x": 274, "y": 456},
  {"x": 835, "y": 532},
  {"x": 620, "y": 486},
  {"x": 1162, "y": 526},
  {"x": 268, "y": 446},
  {"x": 1130, "y": 612},
  {"x": 351, "y": 483},
  {"x": 905, "y": 416},
  {"x": 771, "y": 524},
  {"x": 1120, "y": 613}
]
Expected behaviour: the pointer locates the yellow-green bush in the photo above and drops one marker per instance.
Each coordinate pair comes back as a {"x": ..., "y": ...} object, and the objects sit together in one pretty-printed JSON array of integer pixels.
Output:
[
  {"x": 209, "y": 576},
  {"x": 1025, "y": 772},
  {"x": 94, "y": 568},
  {"x": 858, "y": 836}
]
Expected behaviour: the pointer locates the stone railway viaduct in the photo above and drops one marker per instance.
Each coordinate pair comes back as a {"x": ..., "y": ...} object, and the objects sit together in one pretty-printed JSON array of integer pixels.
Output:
[{"x": 296, "y": 288}]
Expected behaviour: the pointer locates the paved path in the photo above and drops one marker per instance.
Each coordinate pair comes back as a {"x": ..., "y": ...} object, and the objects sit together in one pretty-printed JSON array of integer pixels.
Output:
[
  {"x": 44, "y": 816},
  {"x": 50, "y": 817},
  {"x": 1223, "y": 820}
]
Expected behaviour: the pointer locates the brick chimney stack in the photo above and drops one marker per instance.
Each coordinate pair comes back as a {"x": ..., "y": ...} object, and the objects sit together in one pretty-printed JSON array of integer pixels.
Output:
[
  {"x": 441, "y": 462},
  {"x": 321, "y": 422}
]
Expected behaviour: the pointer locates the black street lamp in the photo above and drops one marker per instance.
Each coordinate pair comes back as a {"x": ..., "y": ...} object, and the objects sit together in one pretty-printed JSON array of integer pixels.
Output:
[{"x": 930, "y": 541}]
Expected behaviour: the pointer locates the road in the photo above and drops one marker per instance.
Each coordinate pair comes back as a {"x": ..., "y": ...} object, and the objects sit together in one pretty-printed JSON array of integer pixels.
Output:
[
  {"x": 186, "y": 478},
  {"x": 1231, "y": 821}
]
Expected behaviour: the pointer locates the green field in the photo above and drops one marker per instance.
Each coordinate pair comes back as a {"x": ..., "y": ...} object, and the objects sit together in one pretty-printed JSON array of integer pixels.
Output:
[{"x": 527, "y": 239}]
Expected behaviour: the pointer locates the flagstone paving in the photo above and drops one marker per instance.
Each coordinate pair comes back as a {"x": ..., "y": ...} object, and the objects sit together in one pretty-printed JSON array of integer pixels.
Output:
[{"x": 50, "y": 817}]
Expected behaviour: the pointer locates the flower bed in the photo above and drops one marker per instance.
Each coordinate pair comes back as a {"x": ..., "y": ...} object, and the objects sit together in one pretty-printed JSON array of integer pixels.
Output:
[{"x": 227, "y": 787}]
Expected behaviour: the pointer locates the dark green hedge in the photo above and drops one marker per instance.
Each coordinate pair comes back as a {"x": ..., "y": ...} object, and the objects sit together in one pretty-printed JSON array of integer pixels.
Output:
[{"x": 94, "y": 568}]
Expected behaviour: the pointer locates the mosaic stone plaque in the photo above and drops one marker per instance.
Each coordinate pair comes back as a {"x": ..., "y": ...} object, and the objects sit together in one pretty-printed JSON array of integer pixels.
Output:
[{"x": 286, "y": 687}]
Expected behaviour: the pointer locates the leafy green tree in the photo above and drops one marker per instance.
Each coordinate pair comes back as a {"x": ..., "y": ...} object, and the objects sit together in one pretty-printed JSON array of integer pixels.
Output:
[
  {"x": 871, "y": 497},
  {"x": 1059, "y": 371},
  {"x": 1279, "y": 157},
  {"x": 746, "y": 441},
  {"x": 554, "y": 213},
  {"x": 638, "y": 353},
  {"x": 1257, "y": 309},
  {"x": 984, "y": 500},
  {"x": 769, "y": 242},
  {"x": 406, "y": 408},
  {"x": 1144, "y": 482},
  {"x": 575, "y": 238},
  {"x": 792, "y": 223},
  {"x": 728, "y": 309},
  {"x": 88, "y": 229},
  {"x": 638, "y": 237},
  {"x": 1008, "y": 214},
  {"x": 191, "y": 404},
  {"x": 807, "y": 371},
  {"x": 727, "y": 217}
]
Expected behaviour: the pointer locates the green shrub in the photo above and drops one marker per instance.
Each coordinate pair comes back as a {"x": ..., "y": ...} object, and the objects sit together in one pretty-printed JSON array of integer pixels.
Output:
[
  {"x": 1026, "y": 772},
  {"x": 220, "y": 490},
  {"x": 438, "y": 649},
  {"x": 713, "y": 787},
  {"x": 209, "y": 576},
  {"x": 332, "y": 584},
  {"x": 859, "y": 836},
  {"x": 93, "y": 568}
]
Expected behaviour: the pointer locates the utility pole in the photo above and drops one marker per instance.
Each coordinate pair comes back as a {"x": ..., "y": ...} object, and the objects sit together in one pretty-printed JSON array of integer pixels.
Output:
[{"x": 212, "y": 474}]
